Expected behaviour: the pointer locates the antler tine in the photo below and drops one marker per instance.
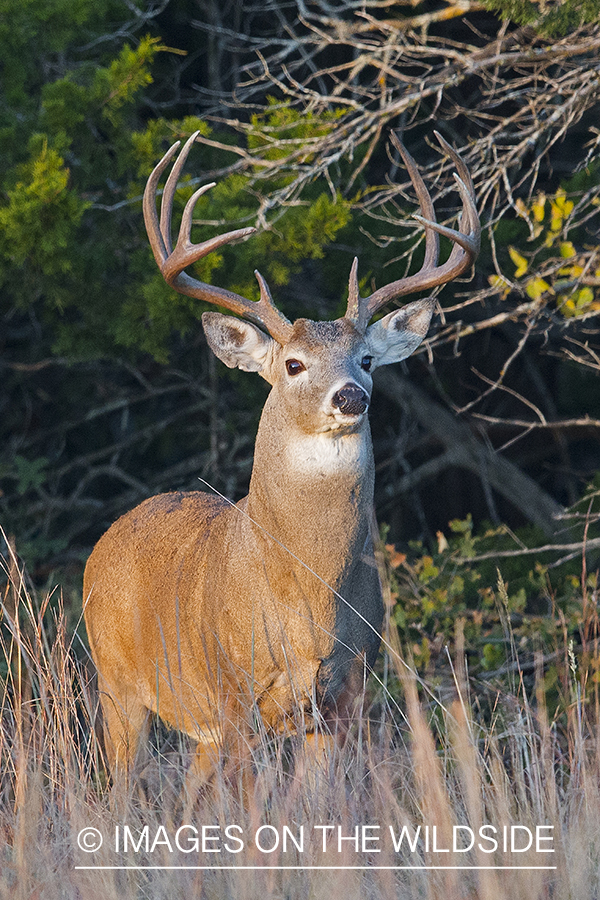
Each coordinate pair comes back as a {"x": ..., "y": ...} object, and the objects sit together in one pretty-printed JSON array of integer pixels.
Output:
[
  {"x": 464, "y": 183},
  {"x": 172, "y": 262},
  {"x": 149, "y": 207},
  {"x": 469, "y": 242},
  {"x": 432, "y": 244},
  {"x": 354, "y": 303},
  {"x": 166, "y": 204},
  {"x": 466, "y": 240},
  {"x": 458, "y": 161}
]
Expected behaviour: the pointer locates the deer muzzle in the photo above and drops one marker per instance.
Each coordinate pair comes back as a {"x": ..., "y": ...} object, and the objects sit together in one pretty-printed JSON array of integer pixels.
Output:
[{"x": 351, "y": 400}]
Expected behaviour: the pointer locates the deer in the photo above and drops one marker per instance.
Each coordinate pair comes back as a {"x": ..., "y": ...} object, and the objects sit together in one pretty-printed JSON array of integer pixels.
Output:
[{"x": 208, "y": 613}]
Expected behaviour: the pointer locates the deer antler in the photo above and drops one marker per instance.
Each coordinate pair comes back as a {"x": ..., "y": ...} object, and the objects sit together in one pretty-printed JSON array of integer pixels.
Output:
[
  {"x": 463, "y": 255},
  {"x": 172, "y": 262},
  {"x": 263, "y": 312}
]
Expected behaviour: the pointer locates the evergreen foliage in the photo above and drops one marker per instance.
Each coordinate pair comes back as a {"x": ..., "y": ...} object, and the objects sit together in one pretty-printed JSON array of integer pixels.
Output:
[
  {"x": 72, "y": 247},
  {"x": 554, "y": 19},
  {"x": 106, "y": 393}
]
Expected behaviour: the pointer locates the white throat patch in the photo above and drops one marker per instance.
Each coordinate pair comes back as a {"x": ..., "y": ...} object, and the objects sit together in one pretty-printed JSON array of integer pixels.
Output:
[{"x": 328, "y": 453}]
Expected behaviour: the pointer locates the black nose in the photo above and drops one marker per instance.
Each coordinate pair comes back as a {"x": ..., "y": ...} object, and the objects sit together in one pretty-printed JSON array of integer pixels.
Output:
[{"x": 350, "y": 400}]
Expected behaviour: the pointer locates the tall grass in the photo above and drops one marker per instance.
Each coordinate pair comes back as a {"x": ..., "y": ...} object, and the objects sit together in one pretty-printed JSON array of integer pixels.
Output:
[{"x": 409, "y": 763}]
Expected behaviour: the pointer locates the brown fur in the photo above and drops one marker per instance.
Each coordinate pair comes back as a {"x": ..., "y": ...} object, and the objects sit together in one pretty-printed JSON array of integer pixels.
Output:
[{"x": 205, "y": 612}]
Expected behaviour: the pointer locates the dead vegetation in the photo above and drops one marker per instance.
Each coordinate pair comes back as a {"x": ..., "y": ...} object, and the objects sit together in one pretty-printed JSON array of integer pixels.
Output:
[{"x": 412, "y": 763}]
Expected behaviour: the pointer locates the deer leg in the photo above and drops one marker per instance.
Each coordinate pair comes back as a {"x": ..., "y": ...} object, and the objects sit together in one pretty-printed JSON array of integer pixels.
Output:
[
  {"x": 126, "y": 726},
  {"x": 345, "y": 707},
  {"x": 319, "y": 747},
  {"x": 205, "y": 762},
  {"x": 200, "y": 773},
  {"x": 230, "y": 754},
  {"x": 314, "y": 758}
]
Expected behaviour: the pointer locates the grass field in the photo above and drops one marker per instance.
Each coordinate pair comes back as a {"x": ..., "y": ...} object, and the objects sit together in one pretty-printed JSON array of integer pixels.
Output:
[{"x": 376, "y": 820}]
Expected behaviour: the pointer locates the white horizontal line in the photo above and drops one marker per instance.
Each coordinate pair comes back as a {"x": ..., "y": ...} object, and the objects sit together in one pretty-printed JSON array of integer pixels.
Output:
[{"x": 340, "y": 868}]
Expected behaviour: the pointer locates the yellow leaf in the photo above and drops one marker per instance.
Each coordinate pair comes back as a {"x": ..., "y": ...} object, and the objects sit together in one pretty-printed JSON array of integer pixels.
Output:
[
  {"x": 567, "y": 207},
  {"x": 536, "y": 287},
  {"x": 521, "y": 208},
  {"x": 579, "y": 303},
  {"x": 520, "y": 262},
  {"x": 561, "y": 210},
  {"x": 539, "y": 208},
  {"x": 567, "y": 249},
  {"x": 500, "y": 283},
  {"x": 571, "y": 271},
  {"x": 584, "y": 296}
]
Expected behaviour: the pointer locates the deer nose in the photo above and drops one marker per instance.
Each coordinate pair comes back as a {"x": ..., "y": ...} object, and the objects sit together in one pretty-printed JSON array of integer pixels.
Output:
[{"x": 350, "y": 400}]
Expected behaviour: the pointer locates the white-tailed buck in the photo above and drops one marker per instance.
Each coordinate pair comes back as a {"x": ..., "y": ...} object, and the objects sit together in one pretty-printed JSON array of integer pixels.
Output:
[{"x": 209, "y": 613}]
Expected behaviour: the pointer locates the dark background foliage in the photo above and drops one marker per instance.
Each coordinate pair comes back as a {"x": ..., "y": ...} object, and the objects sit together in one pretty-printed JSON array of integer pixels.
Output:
[{"x": 107, "y": 391}]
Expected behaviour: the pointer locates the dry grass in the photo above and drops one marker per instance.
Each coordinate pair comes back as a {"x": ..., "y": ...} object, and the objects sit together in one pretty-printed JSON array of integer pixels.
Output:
[{"x": 437, "y": 767}]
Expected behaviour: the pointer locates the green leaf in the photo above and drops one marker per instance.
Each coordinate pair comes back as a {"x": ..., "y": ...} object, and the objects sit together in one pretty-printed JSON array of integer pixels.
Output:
[{"x": 30, "y": 473}]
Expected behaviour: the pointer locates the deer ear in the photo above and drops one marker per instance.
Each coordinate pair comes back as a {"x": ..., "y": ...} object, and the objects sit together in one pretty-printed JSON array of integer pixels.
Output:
[
  {"x": 399, "y": 333},
  {"x": 238, "y": 343}
]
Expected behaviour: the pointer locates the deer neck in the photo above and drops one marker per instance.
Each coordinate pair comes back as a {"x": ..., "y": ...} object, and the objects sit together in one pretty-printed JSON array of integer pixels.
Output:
[{"x": 312, "y": 493}]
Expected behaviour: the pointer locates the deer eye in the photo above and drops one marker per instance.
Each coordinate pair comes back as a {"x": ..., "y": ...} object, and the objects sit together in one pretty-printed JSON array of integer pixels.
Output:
[
  {"x": 365, "y": 363},
  {"x": 294, "y": 366}
]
